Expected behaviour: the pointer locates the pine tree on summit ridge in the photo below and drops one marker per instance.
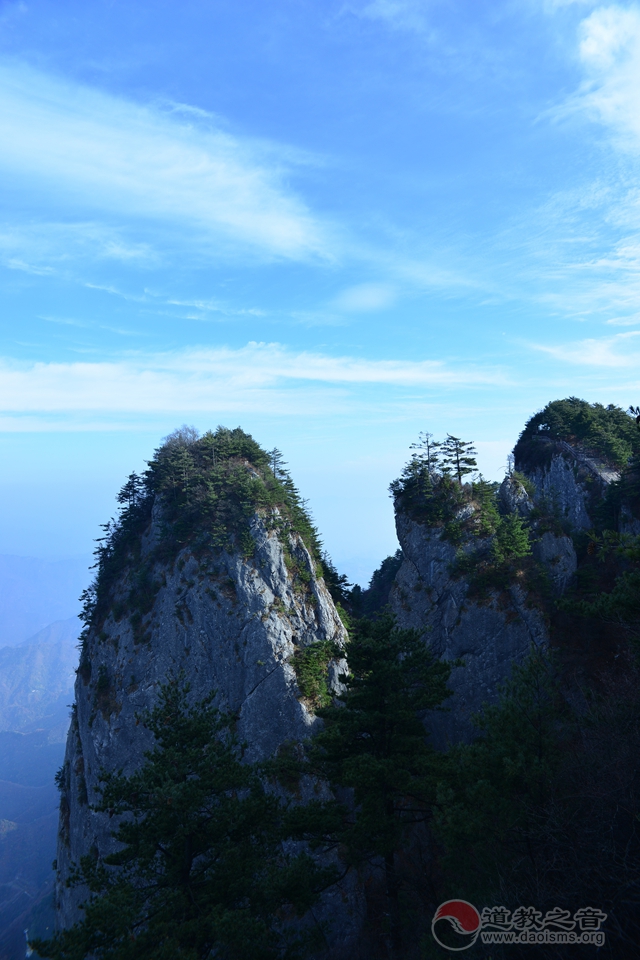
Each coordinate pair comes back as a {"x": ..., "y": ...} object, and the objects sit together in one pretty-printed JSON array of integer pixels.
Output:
[
  {"x": 458, "y": 457},
  {"x": 427, "y": 449}
]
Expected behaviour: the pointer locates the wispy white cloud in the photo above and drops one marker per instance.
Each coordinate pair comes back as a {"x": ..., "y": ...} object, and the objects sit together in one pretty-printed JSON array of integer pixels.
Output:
[
  {"x": 15, "y": 263},
  {"x": 48, "y": 247},
  {"x": 619, "y": 351},
  {"x": 202, "y": 308},
  {"x": 365, "y": 297},
  {"x": 584, "y": 243},
  {"x": 260, "y": 378},
  {"x": 126, "y": 160},
  {"x": 609, "y": 52},
  {"x": 400, "y": 14},
  {"x": 206, "y": 307}
]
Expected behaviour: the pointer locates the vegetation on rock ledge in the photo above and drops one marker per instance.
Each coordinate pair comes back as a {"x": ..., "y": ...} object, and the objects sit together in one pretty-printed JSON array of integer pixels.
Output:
[
  {"x": 208, "y": 490},
  {"x": 608, "y": 433},
  {"x": 204, "y": 867}
]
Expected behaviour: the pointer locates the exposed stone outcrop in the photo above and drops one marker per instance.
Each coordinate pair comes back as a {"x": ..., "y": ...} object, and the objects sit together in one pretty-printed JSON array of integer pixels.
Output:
[
  {"x": 232, "y": 625},
  {"x": 514, "y": 498},
  {"x": 557, "y": 554},
  {"x": 490, "y": 636},
  {"x": 564, "y": 490},
  {"x": 554, "y": 551},
  {"x": 571, "y": 484}
]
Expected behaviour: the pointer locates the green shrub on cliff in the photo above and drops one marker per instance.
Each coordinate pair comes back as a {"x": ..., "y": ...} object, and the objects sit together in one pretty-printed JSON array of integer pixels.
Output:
[
  {"x": 211, "y": 486},
  {"x": 430, "y": 488},
  {"x": 511, "y": 540},
  {"x": 487, "y": 800},
  {"x": 203, "y": 870},
  {"x": 543, "y": 807},
  {"x": 620, "y": 604},
  {"x": 208, "y": 488},
  {"x": 373, "y": 742},
  {"x": 427, "y": 497},
  {"x": 606, "y": 432}
]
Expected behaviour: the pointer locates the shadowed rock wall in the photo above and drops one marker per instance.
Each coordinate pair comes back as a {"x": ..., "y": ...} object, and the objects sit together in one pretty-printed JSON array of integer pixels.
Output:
[
  {"x": 232, "y": 626},
  {"x": 489, "y": 637}
]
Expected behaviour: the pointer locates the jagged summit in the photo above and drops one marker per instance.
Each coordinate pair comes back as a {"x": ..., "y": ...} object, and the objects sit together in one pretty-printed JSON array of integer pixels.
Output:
[
  {"x": 203, "y": 493},
  {"x": 211, "y": 571}
]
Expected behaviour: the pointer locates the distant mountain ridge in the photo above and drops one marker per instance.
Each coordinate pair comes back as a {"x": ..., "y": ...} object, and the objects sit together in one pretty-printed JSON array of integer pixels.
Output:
[
  {"x": 60, "y": 631},
  {"x": 36, "y": 679},
  {"x": 36, "y": 689}
]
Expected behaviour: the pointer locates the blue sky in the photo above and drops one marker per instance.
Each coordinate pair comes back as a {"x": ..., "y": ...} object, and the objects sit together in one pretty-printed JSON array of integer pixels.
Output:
[{"x": 336, "y": 224}]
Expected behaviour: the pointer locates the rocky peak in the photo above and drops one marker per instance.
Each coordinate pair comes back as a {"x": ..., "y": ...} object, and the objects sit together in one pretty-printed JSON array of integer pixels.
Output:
[
  {"x": 465, "y": 584},
  {"x": 482, "y": 566},
  {"x": 580, "y": 458},
  {"x": 211, "y": 571}
]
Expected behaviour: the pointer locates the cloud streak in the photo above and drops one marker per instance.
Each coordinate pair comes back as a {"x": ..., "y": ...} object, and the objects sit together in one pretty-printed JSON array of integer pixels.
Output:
[
  {"x": 620, "y": 351},
  {"x": 120, "y": 158},
  {"x": 259, "y": 378}
]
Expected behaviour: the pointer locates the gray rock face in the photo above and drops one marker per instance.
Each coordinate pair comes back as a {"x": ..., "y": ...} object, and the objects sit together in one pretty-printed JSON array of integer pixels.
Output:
[
  {"x": 514, "y": 498},
  {"x": 561, "y": 486},
  {"x": 558, "y": 556},
  {"x": 556, "y": 553},
  {"x": 488, "y": 637},
  {"x": 572, "y": 483},
  {"x": 232, "y": 625}
]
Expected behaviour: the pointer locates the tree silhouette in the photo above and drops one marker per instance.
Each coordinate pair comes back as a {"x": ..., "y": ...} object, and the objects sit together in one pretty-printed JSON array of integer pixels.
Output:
[
  {"x": 458, "y": 457},
  {"x": 428, "y": 450},
  {"x": 374, "y": 742},
  {"x": 277, "y": 463},
  {"x": 132, "y": 492}
]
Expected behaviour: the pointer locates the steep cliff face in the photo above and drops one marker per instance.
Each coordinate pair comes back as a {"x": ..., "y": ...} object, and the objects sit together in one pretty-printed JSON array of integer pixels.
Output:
[
  {"x": 562, "y": 484},
  {"x": 488, "y": 634},
  {"x": 482, "y": 568},
  {"x": 229, "y": 619}
]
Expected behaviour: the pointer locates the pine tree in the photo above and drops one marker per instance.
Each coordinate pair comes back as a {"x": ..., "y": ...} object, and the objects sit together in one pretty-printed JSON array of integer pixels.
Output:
[
  {"x": 337, "y": 583},
  {"x": 202, "y": 871},
  {"x": 458, "y": 457},
  {"x": 428, "y": 451},
  {"x": 277, "y": 463},
  {"x": 132, "y": 492},
  {"x": 375, "y": 743},
  {"x": 492, "y": 787},
  {"x": 511, "y": 540}
]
